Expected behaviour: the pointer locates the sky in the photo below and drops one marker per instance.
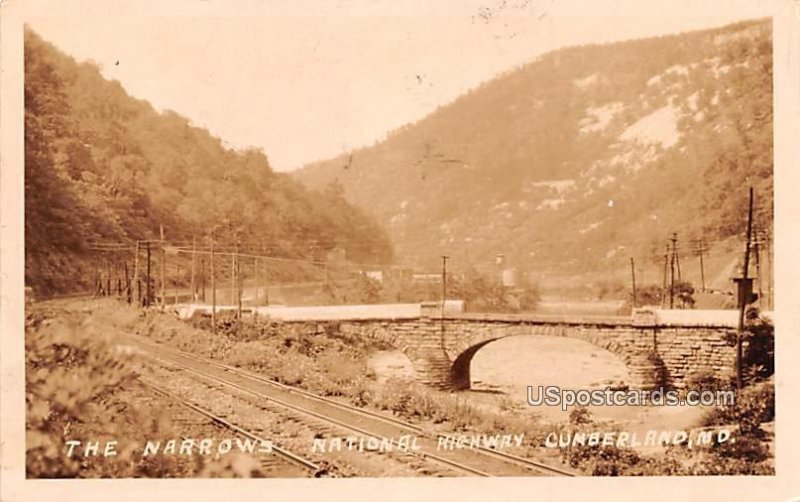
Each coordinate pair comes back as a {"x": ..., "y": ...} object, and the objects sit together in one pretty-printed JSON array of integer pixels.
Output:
[{"x": 308, "y": 80}]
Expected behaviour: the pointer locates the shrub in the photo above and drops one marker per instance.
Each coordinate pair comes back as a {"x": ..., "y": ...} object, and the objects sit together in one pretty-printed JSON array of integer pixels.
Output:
[
  {"x": 748, "y": 454},
  {"x": 759, "y": 356},
  {"x": 705, "y": 379},
  {"x": 73, "y": 381},
  {"x": 754, "y": 405},
  {"x": 580, "y": 416}
]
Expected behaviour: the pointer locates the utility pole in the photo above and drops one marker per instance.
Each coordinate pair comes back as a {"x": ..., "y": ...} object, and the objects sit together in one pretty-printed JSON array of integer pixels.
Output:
[
  {"x": 266, "y": 283},
  {"x": 99, "y": 269},
  {"x": 163, "y": 269},
  {"x": 213, "y": 289},
  {"x": 256, "y": 286},
  {"x": 444, "y": 297},
  {"x": 702, "y": 249},
  {"x": 147, "y": 298},
  {"x": 136, "y": 274},
  {"x": 256, "y": 280},
  {"x": 108, "y": 276},
  {"x": 758, "y": 269},
  {"x": 768, "y": 265},
  {"x": 664, "y": 281},
  {"x": 128, "y": 290},
  {"x": 742, "y": 297},
  {"x": 203, "y": 280},
  {"x": 177, "y": 281},
  {"x": 239, "y": 283},
  {"x": 117, "y": 273},
  {"x": 633, "y": 282},
  {"x": 194, "y": 260},
  {"x": 672, "y": 261},
  {"x": 233, "y": 278},
  {"x": 444, "y": 282},
  {"x": 95, "y": 276}
]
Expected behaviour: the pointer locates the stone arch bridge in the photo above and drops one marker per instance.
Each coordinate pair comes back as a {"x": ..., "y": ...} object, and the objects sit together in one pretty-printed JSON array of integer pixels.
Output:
[{"x": 656, "y": 350}]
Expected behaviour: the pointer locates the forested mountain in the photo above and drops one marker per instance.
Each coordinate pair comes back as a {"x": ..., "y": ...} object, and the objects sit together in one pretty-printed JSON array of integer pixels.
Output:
[
  {"x": 102, "y": 166},
  {"x": 582, "y": 158}
]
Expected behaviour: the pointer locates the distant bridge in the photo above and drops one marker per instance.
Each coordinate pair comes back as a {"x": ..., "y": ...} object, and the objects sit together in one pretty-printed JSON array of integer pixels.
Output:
[{"x": 658, "y": 347}]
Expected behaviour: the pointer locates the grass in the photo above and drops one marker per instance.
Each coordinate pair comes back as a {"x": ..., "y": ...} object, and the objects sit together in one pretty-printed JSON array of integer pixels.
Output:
[
  {"x": 316, "y": 357},
  {"x": 79, "y": 387}
]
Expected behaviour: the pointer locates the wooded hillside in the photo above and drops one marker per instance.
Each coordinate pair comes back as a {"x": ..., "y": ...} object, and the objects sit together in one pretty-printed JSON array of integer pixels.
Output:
[
  {"x": 581, "y": 159},
  {"x": 103, "y": 166}
]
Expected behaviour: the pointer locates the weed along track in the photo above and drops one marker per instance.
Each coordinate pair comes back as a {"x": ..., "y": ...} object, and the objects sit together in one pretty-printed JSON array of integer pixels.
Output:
[
  {"x": 245, "y": 412},
  {"x": 337, "y": 428},
  {"x": 279, "y": 462}
]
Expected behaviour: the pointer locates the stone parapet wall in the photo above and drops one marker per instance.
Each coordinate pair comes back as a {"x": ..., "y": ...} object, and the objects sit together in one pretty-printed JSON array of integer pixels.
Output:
[
  {"x": 685, "y": 351},
  {"x": 441, "y": 349}
]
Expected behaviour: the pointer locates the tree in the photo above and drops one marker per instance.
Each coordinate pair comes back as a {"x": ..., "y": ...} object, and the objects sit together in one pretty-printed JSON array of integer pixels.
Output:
[
  {"x": 684, "y": 293},
  {"x": 759, "y": 356},
  {"x": 101, "y": 165},
  {"x": 646, "y": 296}
]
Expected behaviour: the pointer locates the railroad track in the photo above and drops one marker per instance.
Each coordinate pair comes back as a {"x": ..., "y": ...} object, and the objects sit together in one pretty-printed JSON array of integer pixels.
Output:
[
  {"x": 478, "y": 461},
  {"x": 268, "y": 462}
]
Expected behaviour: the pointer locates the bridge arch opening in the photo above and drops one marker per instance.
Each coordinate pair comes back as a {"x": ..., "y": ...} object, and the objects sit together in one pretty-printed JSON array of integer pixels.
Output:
[
  {"x": 515, "y": 361},
  {"x": 460, "y": 371}
]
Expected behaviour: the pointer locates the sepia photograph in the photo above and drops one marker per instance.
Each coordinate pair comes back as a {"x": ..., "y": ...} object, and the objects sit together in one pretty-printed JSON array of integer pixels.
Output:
[{"x": 496, "y": 239}]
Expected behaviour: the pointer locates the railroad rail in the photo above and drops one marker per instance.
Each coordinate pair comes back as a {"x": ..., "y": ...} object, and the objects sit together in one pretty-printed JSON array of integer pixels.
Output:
[
  {"x": 282, "y": 453},
  {"x": 478, "y": 461}
]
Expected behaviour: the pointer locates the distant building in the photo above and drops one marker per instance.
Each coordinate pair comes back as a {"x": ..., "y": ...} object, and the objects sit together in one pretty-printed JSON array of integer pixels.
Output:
[
  {"x": 375, "y": 275},
  {"x": 427, "y": 278}
]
